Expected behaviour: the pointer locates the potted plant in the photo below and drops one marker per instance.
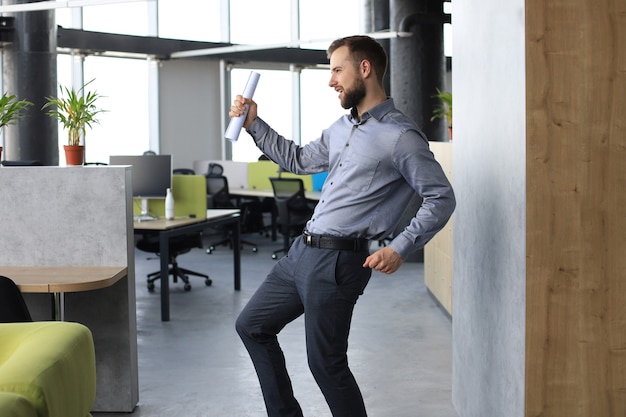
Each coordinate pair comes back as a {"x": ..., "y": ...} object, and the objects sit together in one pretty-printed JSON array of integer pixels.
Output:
[
  {"x": 11, "y": 111},
  {"x": 76, "y": 110},
  {"x": 444, "y": 109}
]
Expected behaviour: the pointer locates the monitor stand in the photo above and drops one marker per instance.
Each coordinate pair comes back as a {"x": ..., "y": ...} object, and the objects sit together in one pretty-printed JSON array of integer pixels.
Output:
[{"x": 144, "y": 216}]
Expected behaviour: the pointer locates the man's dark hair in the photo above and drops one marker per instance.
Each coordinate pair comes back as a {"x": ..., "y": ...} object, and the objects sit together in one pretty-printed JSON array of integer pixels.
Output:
[{"x": 363, "y": 47}]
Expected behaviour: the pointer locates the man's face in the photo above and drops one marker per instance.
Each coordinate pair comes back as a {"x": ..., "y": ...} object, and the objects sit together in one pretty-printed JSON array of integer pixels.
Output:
[{"x": 346, "y": 79}]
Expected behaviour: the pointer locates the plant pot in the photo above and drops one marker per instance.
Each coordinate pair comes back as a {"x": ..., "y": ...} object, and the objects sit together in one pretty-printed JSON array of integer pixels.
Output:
[
  {"x": 450, "y": 132},
  {"x": 0, "y": 153},
  {"x": 74, "y": 155}
]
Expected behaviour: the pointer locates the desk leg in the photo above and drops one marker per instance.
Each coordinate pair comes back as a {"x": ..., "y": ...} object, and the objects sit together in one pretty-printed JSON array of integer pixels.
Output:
[
  {"x": 274, "y": 225},
  {"x": 237, "y": 253},
  {"x": 164, "y": 254},
  {"x": 59, "y": 306}
]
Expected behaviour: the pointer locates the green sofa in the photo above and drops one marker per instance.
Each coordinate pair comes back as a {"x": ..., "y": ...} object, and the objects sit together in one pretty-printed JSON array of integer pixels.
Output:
[{"x": 47, "y": 369}]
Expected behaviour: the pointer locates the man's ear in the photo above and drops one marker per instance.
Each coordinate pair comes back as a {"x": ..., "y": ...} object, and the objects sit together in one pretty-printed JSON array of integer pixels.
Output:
[{"x": 366, "y": 68}]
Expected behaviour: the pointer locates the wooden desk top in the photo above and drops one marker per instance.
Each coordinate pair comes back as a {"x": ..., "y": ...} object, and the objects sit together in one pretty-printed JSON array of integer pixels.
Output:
[
  {"x": 248, "y": 192},
  {"x": 53, "y": 279},
  {"x": 163, "y": 224}
]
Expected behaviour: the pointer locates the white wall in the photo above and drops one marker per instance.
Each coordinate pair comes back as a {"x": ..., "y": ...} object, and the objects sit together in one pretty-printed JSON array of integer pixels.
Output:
[
  {"x": 489, "y": 227},
  {"x": 189, "y": 110}
]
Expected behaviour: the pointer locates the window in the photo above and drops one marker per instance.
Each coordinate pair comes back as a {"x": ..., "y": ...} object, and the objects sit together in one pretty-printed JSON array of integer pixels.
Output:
[
  {"x": 124, "y": 18},
  {"x": 316, "y": 22},
  {"x": 273, "y": 96},
  {"x": 124, "y": 127},
  {"x": 195, "y": 20},
  {"x": 320, "y": 105},
  {"x": 124, "y": 83},
  {"x": 256, "y": 22}
]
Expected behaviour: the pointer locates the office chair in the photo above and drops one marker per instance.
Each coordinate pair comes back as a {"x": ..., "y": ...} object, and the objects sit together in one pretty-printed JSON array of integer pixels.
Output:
[
  {"x": 12, "y": 306},
  {"x": 219, "y": 197},
  {"x": 178, "y": 245},
  {"x": 293, "y": 209},
  {"x": 190, "y": 198},
  {"x": 183, "y": 171}
]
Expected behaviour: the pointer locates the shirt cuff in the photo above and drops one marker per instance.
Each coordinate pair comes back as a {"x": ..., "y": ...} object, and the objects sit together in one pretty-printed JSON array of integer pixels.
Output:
[
  {"x": 403, "y": 246},
  {"x": 258, "y": 128}
]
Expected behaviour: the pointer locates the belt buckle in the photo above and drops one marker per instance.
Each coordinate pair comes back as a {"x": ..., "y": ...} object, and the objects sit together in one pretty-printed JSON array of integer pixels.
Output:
[{"x": 308, "y": 239}]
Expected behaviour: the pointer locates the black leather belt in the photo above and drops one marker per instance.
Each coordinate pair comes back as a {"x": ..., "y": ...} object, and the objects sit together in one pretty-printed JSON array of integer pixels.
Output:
[{"x": 337, "y": 243}]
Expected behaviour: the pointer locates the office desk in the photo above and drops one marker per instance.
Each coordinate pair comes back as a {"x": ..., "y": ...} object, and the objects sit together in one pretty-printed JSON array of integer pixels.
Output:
[
  {"x": 58, "y": 280},
  {"x": 249, "y": 192},
  {"x": 254, "y": 193},
  {"x": 184, "y": 225}
]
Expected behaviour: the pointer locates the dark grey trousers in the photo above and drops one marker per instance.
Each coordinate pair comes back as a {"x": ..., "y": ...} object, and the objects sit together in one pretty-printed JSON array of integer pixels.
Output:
[{"x": 324, "y": 285}]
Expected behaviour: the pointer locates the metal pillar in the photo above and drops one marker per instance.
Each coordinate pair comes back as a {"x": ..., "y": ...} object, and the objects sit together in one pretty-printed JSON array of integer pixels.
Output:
[
  {"x": 376, "y": 19},
  {"x": 30, "y": 69},
  {"x": 418, "y": 62}
]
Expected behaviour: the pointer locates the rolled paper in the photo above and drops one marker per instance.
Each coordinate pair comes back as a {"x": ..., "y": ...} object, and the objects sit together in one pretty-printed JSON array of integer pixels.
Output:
[{"x": 236, "y": 123}]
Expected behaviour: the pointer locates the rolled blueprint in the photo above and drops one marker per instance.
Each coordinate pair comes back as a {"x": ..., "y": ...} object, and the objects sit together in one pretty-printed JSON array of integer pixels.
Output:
[{"x": 236, "y": 123}]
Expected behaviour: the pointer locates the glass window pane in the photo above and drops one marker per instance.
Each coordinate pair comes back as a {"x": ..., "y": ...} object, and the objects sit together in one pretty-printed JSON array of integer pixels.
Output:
[
  {"x": 196, "y": 20},
  {"x": 124, "y": 127},
  {"x": 63, "y": 17},
  {"x": 273, "y": 96},
  {"x": 447, "y": 30},
  {"x": 256, "y": 22},
  {"x": 317, "y": 23},
  {"x": 320, "y": 105},
  {"x": 123, "y": 18},
  {"x": 64, "y": 78}
]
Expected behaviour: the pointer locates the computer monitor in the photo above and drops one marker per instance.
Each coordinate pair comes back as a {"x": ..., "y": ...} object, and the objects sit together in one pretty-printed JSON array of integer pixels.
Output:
[{"x": 152, "y": 175}]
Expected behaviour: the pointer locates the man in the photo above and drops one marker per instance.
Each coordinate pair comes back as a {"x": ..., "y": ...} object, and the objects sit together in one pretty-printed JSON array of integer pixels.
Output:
[{"x": 376, "y": 160}]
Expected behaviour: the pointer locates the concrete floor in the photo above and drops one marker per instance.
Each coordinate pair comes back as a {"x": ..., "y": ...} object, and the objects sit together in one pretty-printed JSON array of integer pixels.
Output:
[{"x": 195, "y": 364}]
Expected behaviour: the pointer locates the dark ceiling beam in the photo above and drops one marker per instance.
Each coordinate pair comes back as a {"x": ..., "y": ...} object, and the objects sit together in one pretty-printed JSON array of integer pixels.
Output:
[
  {"x": 94, "y": 43},
  {"x": 99, "y": 42}
]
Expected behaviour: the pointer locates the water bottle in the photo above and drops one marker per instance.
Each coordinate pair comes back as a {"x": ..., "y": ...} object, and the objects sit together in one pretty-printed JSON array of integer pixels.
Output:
[{"x": 169, "y": 205}]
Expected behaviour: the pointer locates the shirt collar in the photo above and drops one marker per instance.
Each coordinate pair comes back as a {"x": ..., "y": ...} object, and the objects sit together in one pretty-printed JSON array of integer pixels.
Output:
[{"x": 377, "y": 112}]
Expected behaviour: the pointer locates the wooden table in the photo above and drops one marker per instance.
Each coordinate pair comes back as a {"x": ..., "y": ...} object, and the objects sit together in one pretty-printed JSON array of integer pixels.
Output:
[
  {"x": 183, "y": 225},
  {"x": 58, "y": 280},
  {"x": 242, "y": 193},
  {"x": 250, "y": 192}
]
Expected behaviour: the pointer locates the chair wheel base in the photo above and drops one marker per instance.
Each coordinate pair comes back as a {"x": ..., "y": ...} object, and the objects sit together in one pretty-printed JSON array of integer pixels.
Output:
[{"x": 208, "y": 282}]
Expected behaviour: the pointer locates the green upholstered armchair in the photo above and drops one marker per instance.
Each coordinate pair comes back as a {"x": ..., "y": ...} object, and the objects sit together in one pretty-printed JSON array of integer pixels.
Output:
[{"x": 47, "y": 369}]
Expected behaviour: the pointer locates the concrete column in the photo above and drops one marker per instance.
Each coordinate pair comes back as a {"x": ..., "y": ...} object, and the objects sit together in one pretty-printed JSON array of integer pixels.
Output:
[
  {"x": 30, "y": 69},
  {"x": 418, "y": 62},
  {"x": 376, "y": 19}
]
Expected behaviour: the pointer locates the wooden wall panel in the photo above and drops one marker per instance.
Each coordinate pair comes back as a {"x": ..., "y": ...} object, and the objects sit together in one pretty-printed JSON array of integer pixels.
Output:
[
  {"x": 438, "y": 252},
  {"x": 576, "y": 205}
]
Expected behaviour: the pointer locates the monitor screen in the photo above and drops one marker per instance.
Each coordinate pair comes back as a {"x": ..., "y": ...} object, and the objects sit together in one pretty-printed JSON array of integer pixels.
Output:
[{"x": 152, "y": 174}]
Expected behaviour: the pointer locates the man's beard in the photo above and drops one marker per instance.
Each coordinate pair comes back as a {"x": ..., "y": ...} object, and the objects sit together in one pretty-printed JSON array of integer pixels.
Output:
[{"x": 353, "y": 97}]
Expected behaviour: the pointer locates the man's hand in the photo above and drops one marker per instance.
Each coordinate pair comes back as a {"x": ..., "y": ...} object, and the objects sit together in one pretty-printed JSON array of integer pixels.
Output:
[
  {"x": 239, "y": 106},
  {"x": 384, "y": 260}
]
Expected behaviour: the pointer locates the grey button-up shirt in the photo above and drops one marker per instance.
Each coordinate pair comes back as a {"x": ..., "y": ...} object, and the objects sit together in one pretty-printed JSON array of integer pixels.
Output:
[{"x": 375, "y": 165}]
